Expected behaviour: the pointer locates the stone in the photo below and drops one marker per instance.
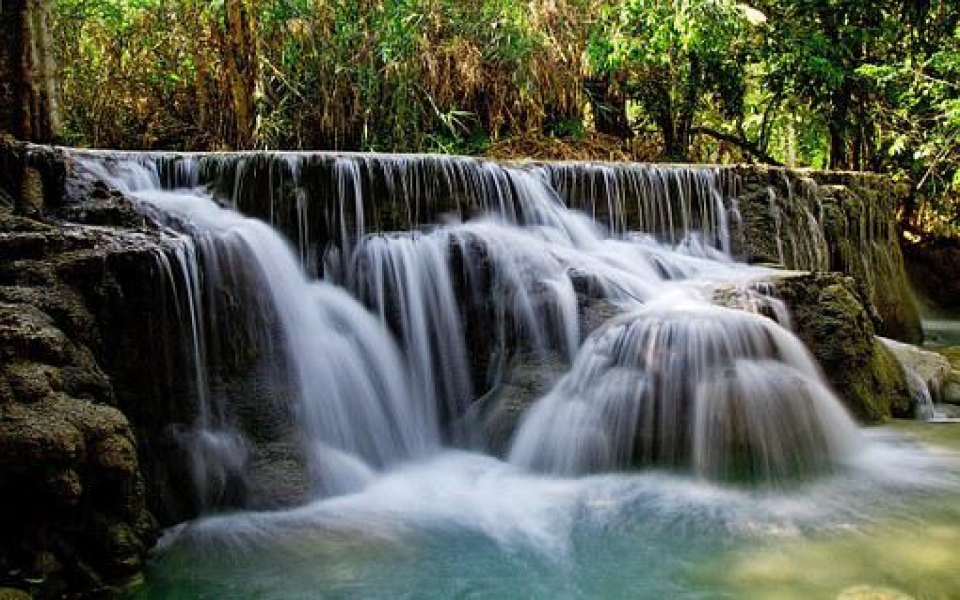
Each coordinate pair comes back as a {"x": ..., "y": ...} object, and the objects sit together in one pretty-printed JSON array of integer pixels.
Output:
[
  {"x": 27, "y": 333},
  {"x": 932, "y": 368},
  {"x": 115, "y": 453},
  {"x": 64, "y": 484},
  {"x": 31, "y": 382},
  {"x": 499, "y": 412},
  {"x": 830, "y": 221},
  {"x": 833, "y": 320},
  {"x": 75, "y": 517}
]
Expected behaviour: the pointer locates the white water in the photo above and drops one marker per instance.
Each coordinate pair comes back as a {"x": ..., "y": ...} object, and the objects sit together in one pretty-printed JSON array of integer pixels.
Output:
[
  {"x": 354, "y": 405},
  {"x": 680, "y": 382},
  {"x": 696, "y": 395}
]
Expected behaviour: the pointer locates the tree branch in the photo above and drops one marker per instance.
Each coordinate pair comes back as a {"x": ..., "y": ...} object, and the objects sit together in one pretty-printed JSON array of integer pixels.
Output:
[{"x": 746, "y": 145}]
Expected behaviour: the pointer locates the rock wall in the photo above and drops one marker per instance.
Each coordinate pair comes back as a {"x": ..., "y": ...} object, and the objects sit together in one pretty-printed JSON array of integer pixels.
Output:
[
  {"x": 831, "y": 221},
  {"x": 86, "y": 356}
]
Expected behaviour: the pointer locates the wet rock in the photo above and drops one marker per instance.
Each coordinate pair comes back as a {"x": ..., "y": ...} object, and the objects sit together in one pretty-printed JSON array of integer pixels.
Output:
[
  {"x": 105, "y": 210},
  {"x": 833, "y": 320},
  {"x": 499, "y": 412},
  {"x": 278, "y": 476},
  {"x": 827, "y": 221},
  {"x": 27, "y": 333},
  {"x": 932, "y": 368}
]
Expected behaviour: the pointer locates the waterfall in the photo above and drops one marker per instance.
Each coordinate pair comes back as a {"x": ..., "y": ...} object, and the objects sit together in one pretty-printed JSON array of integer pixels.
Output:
[
  {"x": 353, "y": 405},
  {"x": 416, "y": 278},
  {"x": 683, "y": 383}
]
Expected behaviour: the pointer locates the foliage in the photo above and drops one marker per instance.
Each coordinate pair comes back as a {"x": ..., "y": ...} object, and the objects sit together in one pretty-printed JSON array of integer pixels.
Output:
[
  {"x": 922, "y": 106},
  {"x": 674, "y": 57},
  {"x": 826, "y": 83}
]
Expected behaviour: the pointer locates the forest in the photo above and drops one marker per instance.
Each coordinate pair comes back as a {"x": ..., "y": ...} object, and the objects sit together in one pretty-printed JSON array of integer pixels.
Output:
[{"x": 844, "y": 84}]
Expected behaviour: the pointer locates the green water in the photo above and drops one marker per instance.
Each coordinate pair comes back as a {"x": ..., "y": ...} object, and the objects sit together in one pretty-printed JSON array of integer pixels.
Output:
[{"x": 466, "y": 526}]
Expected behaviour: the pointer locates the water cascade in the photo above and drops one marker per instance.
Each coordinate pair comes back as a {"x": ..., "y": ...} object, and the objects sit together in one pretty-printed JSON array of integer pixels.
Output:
[
  {"x": 351, "y": 401},
  {"x": 512, "y": 259},
  {"x": 445, "y": 377},
  {"x": 679, "y": 383}
]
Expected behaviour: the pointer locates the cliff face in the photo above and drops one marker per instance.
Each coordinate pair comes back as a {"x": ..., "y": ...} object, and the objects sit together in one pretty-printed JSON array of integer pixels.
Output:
[
  {"x": 86, "y": 355},
  {"x": 831, "y": 221}
]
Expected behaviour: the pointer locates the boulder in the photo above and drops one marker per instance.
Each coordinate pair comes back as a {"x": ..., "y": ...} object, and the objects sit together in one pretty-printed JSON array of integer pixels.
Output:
[
  {"x": 833, "y": 319},
  {"x": 931, "y": 368}
]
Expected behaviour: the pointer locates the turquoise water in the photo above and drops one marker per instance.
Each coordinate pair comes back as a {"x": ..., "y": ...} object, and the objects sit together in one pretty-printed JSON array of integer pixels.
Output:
[{"x": 468, "y": 526}]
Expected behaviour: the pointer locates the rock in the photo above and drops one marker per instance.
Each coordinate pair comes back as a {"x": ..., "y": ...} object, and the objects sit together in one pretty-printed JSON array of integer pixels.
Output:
[
  {"x": 829, "y": 221},
  {"x": 499, "y": 412},
  {"x": 12, "y": 594},
  {"x": 932, "y": 266},
  {"x": 64, "y": 485},
  {"x": 932, "y": 368},
  {"x": 951, "y": 389},
  {"x": 27, "y": 333},
  {"x": 278, "y": 476},
  {"x": 833, "y": 320},
  {"x": 74, "y": 517},
  {"x": 31, "y": 382}
]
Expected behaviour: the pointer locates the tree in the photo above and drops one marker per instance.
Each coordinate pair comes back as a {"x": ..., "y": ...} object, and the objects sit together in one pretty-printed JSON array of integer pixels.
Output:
[
  {"x": 674, "y": 58},
  {"x": 28, "y": 92},
  {"x": 919, "y": 108}
]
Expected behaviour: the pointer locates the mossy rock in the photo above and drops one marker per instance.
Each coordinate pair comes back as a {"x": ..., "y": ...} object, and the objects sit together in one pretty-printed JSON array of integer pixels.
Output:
[{"x": 833, "y": 320}]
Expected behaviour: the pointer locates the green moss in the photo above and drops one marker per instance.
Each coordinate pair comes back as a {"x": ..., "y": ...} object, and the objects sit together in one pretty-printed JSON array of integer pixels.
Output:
[{"x": 833, "y": 320}]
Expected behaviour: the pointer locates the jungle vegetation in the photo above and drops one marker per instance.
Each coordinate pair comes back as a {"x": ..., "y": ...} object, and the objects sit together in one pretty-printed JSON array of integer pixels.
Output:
[{"x": 843, "y": 84}]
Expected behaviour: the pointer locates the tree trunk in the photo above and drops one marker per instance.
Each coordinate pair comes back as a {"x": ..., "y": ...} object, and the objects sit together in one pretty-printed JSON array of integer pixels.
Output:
[
  {"x": 242, "y": 70},
  {"x": 28, "y": 92},
  {"x": 609, "y": 104}
]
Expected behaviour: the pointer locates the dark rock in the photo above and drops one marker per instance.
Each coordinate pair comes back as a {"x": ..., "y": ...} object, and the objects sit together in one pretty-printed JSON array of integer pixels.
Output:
[
  {"x": 933, "y": 266},
  {"x": 499, "y": 412}
]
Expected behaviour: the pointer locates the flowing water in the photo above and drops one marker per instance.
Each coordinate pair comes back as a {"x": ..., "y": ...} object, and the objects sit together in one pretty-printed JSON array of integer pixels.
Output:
[{"x": 690, "y": 450}]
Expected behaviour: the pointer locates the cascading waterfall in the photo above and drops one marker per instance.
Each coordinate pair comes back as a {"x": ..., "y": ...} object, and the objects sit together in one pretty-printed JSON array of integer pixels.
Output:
[
  {"x": 353, "y": 404},
  {"x": 673, "y": 381},
  {"x": 683, "y": 383},
  {"x": 648, "y": 442}
]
